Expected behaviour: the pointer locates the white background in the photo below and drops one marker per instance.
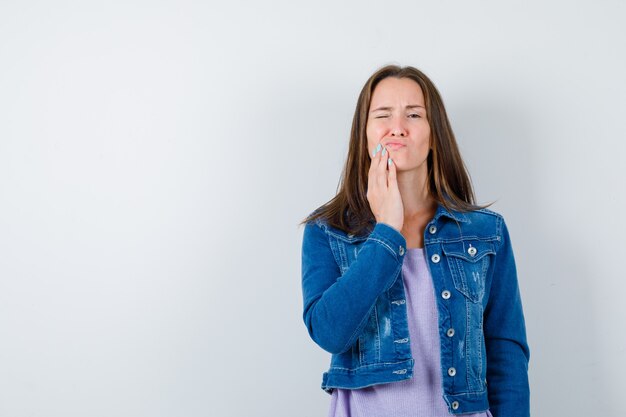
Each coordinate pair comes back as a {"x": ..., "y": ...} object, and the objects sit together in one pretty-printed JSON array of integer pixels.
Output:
[{"x": 157, "y": 156}]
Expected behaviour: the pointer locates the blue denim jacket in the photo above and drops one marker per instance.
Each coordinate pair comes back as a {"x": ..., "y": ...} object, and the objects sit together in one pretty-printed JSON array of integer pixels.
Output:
[{"x": 354, "y": 308}]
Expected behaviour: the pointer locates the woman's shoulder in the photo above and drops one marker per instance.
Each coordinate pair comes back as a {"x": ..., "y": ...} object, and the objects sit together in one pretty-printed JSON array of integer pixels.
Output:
[
  {"x": 486, "y": 213},
  {"x": 476, "y": 215},
  {"x": 491, "y": 216},
  {"x": 481, "y": 221},
  {"x": 314, "y": 220},
  {"x": 485, "y": 221},
  {"x": 349, "y": 229}
]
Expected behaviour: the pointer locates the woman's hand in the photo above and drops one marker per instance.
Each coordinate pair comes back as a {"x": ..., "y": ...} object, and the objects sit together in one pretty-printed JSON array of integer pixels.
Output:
[{"x": 383, "y": 194}]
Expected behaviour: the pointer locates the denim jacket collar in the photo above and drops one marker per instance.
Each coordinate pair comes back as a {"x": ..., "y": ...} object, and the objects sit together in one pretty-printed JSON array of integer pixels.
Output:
[{"x": 453, "y": 214}]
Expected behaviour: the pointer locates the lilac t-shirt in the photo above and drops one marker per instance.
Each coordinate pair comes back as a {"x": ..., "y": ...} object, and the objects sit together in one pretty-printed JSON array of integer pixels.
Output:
[{"x": 422, "y": 395}]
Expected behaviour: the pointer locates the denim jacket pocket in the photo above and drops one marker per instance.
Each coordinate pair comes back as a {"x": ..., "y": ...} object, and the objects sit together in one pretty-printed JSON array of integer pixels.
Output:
[{"x": 469, "y": 261}]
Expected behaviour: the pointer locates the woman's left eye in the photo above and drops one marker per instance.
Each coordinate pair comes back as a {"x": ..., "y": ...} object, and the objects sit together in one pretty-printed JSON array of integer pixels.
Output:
[{"x": 414, "y": 115}]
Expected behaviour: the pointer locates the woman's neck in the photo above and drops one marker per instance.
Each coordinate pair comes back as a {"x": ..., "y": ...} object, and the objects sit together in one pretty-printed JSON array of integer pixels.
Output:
[{"x": 417, "y": 201}]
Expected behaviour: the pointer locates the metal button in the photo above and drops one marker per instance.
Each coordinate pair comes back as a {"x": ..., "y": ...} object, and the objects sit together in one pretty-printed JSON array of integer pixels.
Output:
[
  {"x": 432, "y": 229},
  {"x": 445, "y": 294},
  {"x": 451, "y": 371},
  {"x": 401, "y": 250},
  {"x": 450, "y": 332},
  {"x": 455, "y": 405},
  {"x": 472, "y": 251},
  {"x": 435, "y": 258}
]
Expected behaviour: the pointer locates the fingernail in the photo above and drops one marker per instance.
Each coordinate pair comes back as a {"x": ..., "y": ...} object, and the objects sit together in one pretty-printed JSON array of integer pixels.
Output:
[
  {"x": 384, "y": 151},
  {"x": 389, "y": 161},
  {"x": 377, "y": 149}
]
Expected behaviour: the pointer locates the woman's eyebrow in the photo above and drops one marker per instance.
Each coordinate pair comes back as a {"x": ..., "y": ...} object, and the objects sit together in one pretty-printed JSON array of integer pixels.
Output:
[{"x": 387, "y": 108}]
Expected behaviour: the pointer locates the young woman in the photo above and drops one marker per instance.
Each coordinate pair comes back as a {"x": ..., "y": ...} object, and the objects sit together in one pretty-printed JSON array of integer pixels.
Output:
[{"x": 407, "y": 282}]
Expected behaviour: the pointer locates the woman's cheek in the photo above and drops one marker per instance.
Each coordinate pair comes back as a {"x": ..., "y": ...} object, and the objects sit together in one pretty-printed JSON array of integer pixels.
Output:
[{"x": 371, "y": 141}]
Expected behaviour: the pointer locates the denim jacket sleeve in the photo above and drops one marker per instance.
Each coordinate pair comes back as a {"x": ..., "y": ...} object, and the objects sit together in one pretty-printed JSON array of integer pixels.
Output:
[
  {"x": 336, "y": 310},
  {"x": 505, "y": 337}
]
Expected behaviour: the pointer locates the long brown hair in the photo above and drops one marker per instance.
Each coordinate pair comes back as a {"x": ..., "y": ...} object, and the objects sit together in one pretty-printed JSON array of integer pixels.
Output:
[{"x": 448, "y": 180}]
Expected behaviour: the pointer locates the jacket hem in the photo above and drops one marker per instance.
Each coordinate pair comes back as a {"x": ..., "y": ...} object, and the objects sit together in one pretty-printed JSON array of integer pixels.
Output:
[{"x": 366, "y": 376}]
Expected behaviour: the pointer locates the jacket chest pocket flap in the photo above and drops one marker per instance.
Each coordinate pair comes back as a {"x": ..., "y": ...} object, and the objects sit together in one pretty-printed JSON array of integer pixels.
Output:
[{"x": 469, "y": 261}]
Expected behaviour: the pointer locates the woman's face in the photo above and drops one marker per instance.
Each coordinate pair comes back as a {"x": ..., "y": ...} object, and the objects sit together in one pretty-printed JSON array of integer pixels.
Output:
[{"x": 397, "y": 120}]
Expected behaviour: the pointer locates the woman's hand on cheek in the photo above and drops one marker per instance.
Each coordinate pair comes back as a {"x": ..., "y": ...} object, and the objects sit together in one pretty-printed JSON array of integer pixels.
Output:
[{"x": 383, "y": 193}]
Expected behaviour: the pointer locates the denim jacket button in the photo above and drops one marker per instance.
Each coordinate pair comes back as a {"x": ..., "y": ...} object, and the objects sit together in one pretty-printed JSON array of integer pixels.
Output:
[
  {"x": 455, "y": 405},
  {"x": 445, "y": 294},
  {"x": 472, "y": 251},
  {"x": 401, "y": 250},
  {"x": 451, "y": 371},
  {"x": 450, "y": 332},
  {"x": 435, "y": 258},
  {"x": 432, "y": 229}
]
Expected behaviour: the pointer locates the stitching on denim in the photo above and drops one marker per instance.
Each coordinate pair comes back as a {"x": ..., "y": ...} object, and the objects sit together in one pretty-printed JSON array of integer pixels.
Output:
[
  {"x": 466, "y": 393},
  {"x": 487, "y": 211},
  {"x": 382, "y": 242},
  {"x": 499, "y": 224},
  {"x": 486, "y": 263},
  {"x": 484, "y": 252},
  {"x": 454, "y": 272},
  {"x": 361, "y": 355},
  {"x": 491, "y": 238},
  {"x": 451, "y": 214},
  {"x": 463, "y": 278},
  {"x": 371, "y": 365},
  {"x": 468, "y": 338},
  {"x": 333, "y": 249},
  {"x": 458, "y": 225},
  {"x": 346, "y": 238},
  {"x": 342, "y": 254},
  {"x": 377, "y": 336},
  {"x": 480, "y": 348}
]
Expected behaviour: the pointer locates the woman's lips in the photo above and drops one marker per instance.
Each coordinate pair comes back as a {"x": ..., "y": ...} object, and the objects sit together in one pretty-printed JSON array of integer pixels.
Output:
[{"x": 394, "y": 146}]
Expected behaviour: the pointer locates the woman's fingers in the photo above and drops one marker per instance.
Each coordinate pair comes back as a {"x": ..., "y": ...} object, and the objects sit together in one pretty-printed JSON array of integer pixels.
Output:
[
  {"x": 375, "y": 167},
  {"x": 378, "y": 172},
  {"x": 392, "y": 173},
  {"x": 383, "y": 194},
  {"x": 382, "y": 169}
]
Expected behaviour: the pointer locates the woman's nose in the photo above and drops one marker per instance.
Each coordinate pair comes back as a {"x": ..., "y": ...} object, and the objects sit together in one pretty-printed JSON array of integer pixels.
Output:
[{"x": 398, "y": 128}]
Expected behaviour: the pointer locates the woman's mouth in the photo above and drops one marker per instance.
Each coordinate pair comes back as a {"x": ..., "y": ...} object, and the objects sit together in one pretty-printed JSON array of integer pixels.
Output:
[{"x": 394, "y": 146}]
